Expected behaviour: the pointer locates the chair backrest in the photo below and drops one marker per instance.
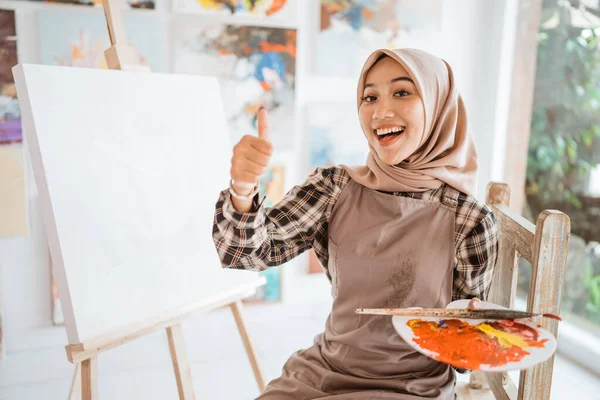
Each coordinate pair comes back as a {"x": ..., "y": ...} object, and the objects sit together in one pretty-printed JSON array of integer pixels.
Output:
[{"x": 545, "y": 246}]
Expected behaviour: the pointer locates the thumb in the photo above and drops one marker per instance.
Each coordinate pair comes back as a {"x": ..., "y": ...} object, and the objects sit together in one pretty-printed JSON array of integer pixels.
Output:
[{"x": 263, "y": 124}]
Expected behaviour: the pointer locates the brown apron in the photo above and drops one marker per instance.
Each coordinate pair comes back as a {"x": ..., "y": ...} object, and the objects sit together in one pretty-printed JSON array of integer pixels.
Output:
[{"x": 384, "y": 251}]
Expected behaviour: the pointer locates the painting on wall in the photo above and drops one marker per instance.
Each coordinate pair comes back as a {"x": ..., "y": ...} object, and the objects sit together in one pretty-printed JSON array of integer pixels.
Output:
[
  {"x": 79, "y": 39},
  {"x": 351, "y": 29},
  {"x": 280, "y": 9},
  {"x": 271, "y": 186},
  {"x": 13, "y": 218},
  {"x": 13, "y": 203},
  {"x": 135, "y": 4},
  {"x": 335, "y": 138},
  {"x": 255, "y": 66}
]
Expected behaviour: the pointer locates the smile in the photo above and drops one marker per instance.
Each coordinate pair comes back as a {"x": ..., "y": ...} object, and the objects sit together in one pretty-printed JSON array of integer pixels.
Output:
[{"x": 386, "y": 132}]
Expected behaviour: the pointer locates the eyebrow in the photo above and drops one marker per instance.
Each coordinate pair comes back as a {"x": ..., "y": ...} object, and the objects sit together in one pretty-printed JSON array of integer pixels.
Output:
[{"x": 400, "y": 78}]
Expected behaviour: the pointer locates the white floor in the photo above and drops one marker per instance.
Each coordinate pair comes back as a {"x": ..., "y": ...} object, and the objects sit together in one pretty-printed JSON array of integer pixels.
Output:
[{"x": 142, "y": 369}]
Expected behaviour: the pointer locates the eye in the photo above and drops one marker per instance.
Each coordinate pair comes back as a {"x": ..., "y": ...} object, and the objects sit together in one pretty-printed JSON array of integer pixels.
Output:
[
  {"x": 368, "y": 99},
  {"x": 402, "y": 93}
]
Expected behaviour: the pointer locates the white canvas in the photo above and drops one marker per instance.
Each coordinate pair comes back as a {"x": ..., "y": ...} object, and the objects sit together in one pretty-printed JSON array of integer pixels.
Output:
[{"x": 129, "y": 167}]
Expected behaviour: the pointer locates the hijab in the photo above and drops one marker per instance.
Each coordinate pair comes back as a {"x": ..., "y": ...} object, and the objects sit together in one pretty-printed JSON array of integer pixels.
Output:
[{"x": 447, "y": 151}]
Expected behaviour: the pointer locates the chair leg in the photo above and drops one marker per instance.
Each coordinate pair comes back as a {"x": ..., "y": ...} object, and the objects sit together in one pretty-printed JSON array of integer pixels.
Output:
[
  {"x": 181, "y": 364},
  {"x": 89, "y": 379},
  {"x": 236, "y": 308},
  {"x": 75, "y": 392}
]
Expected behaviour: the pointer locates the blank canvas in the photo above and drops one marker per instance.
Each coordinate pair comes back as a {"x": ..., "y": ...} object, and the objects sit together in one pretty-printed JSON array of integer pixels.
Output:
[{"x": 129, "y": 166}]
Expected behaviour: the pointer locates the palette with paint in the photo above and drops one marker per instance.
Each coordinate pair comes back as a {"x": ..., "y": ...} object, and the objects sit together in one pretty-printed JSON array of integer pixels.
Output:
[{"x": 490, "y": 346}]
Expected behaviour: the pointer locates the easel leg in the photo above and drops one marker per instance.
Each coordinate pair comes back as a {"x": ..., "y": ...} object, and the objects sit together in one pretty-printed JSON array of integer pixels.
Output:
[
  {"x": 75, "y": 393},
  {"x": 236, "y": 308},
  {"x": 89, "y": 379},
  {"x": 183, "y": 374}
]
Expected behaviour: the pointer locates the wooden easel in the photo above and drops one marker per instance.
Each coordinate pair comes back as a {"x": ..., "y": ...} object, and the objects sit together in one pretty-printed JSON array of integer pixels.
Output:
[{"x": 123, "y": 56}]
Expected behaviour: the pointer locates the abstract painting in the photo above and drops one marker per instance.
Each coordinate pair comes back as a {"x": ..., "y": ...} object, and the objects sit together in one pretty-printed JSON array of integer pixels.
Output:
[
  {"x": 271, "y": 186},
  {"x": 13, "y": 211},
  {"x": 254, "y": 8},
  {"x": 136, "y": 4},
  {"x": 255, "y": 66},
  {"x": 78, "y": 39},
  {"x": 351, "y": 29},
  {"x": 13, "y": 220}
]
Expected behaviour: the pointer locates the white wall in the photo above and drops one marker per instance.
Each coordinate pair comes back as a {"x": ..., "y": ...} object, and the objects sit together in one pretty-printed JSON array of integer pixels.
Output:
[{"x": 477, "y": 40}]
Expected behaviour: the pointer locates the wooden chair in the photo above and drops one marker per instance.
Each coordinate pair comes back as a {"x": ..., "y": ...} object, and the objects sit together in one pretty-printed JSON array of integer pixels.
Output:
[{"x": 545, "y": 246}]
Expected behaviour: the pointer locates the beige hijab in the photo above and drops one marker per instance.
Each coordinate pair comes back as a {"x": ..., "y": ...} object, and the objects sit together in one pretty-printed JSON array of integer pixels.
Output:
[{"x": 446, "y": 152}]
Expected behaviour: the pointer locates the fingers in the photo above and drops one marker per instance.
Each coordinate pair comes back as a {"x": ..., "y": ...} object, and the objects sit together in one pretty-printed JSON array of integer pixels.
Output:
[
  {"x": 262, "y": 146},
  {"x": 249, "y": 166},
  {"x": 474, "y": 304},
  {"x": 263, "y": 124},
  {"x": 250, "y": 148},
  {"x": 251, "y": 155}
]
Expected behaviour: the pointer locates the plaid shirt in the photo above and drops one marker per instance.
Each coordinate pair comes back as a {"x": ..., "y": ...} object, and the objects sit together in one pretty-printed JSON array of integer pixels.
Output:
[{"x": 269, "y": 237}]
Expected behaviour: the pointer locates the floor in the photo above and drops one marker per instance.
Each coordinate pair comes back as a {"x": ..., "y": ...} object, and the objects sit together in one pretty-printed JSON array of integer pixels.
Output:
[{"x": 142, "y": 369}]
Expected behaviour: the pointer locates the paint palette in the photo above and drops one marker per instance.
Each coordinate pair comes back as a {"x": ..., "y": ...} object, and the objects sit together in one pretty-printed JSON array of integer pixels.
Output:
[{"x": 490, "y": 346}]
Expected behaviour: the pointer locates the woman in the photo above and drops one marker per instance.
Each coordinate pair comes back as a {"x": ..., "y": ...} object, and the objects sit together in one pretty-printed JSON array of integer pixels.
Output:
[{"x": 404, "y": 230}]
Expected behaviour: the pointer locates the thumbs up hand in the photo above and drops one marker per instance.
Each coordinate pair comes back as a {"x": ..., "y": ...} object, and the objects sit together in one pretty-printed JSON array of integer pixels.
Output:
[{"x": 251, "y": 156}]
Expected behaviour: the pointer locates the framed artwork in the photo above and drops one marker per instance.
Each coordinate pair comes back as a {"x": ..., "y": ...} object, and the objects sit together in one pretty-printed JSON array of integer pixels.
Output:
[
  {"x": 351, "y": 29},
  {"x": 335, "y": 138},
  {"x": 255, "y": 66},
  {"x": 13, "y": 198},
  {"x": 13, "y": 218},
  {"x": 264, "y": 9},
  {"x": 134, "y": 4},
  {"x": 79, "y": 39},
  {"x": 271, "y": 186}
]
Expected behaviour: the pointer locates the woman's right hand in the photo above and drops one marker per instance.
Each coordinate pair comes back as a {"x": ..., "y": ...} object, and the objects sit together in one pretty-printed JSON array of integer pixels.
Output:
[{"x": 251, "y": 157}]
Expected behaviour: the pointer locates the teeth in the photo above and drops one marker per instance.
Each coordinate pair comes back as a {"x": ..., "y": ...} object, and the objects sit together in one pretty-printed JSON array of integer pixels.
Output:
[{"x": 389, "y": 130}]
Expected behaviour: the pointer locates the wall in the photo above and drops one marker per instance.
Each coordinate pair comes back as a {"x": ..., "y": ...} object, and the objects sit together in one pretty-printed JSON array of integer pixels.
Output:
[{"x": 477, "y": 41}]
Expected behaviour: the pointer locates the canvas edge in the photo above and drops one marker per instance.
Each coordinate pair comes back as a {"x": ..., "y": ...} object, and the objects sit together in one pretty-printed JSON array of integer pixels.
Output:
[{"x": 30, "y": 134}]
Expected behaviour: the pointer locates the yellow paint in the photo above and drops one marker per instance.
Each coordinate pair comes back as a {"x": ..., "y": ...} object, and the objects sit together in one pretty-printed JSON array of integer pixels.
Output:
[
  {"x": 504, "y": 338},
  {"x": 208, "y": 4}
]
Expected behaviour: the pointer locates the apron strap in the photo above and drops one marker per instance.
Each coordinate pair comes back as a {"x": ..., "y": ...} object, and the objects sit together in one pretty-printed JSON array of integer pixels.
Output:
[{"x": 450, "y": 196}]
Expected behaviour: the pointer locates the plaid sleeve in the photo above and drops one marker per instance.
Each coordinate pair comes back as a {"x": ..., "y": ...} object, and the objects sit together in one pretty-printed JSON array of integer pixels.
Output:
[
  {"x": 476, "y": 257},
  {"x": 272, "y": 236}
]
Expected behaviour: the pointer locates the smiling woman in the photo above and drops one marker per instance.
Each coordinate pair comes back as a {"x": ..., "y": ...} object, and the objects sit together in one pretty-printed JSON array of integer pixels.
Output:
[
  {"x": 391, "y": 109},
  {"x": 401, "y": 231}
]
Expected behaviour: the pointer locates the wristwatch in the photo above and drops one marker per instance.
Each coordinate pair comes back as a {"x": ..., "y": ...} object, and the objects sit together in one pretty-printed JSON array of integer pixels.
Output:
[{"x": 249, "y": 196}]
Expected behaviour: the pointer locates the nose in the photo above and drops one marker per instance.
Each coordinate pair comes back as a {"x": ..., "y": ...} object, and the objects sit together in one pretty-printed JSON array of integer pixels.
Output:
[{"x": 383, "y": 110}]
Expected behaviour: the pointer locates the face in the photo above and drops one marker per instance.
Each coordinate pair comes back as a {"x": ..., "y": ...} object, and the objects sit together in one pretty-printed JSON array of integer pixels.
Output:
[{"x": 391, "y": 112}]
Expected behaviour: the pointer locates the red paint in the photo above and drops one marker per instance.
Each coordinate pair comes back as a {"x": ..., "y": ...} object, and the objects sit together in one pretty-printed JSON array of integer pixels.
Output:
[
  {"x": 553, "y": 316},
  {"x": 465, "y": 346},
  {"x": 276, "y": 6}
]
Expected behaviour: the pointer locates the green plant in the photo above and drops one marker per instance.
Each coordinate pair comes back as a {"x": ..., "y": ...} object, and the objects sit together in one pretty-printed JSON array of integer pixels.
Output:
[
  {"x": 592, "y": 283},
  {"x": 565, "y": 130}
]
